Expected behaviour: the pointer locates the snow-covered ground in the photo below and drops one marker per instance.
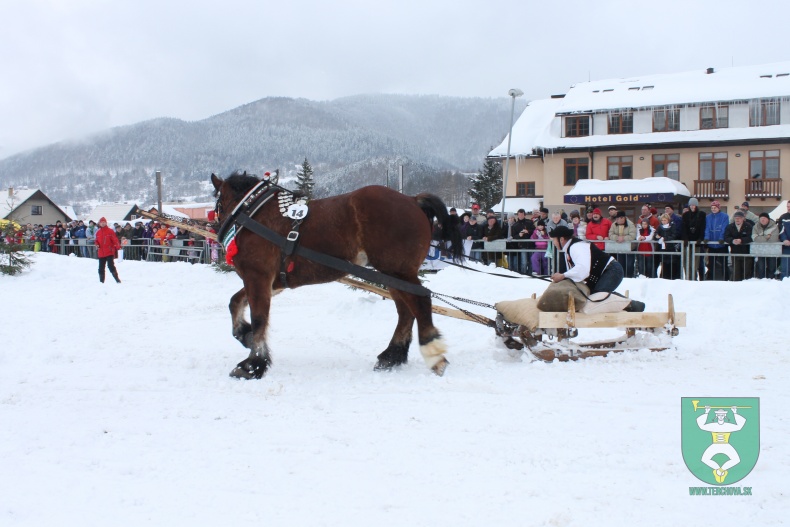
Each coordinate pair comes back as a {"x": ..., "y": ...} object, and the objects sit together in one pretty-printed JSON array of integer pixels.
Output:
[{"x": 117, "y": 409}]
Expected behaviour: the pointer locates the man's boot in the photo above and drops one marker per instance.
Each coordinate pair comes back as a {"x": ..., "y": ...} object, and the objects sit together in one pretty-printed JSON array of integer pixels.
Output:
[{"x": 635, "y": 307}]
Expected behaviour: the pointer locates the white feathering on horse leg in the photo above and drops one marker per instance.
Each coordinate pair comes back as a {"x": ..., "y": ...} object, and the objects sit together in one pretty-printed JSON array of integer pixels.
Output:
[{"x": 433, "y": 352}]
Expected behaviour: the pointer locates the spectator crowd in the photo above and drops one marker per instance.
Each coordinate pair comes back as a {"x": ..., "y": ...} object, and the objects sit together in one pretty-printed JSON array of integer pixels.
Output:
[
  {"x": 143, "y": 240},
  {"x": 716, "y": 246}
]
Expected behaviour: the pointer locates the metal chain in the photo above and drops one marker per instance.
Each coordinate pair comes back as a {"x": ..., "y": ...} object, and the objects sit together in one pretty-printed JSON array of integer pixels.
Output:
[{"x": 474, "y": 316}]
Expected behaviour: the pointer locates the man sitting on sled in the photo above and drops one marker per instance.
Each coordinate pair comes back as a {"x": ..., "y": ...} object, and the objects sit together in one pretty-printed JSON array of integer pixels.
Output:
[{"x": 586, "y": 262}]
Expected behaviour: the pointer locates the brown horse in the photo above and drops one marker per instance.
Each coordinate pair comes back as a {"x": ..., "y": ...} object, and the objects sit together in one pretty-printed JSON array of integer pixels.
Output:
[{"x": 373, "y": 226}]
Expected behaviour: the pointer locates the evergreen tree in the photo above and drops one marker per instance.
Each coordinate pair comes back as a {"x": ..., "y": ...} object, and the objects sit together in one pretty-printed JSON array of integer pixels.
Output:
[
  {"x": 13, "y": 260},
  {"x": 304, "y": 179},
  {"x": 486, "y": 185}
]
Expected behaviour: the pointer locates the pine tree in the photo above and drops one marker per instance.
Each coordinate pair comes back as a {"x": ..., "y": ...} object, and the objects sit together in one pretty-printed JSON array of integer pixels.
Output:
[
  {"x": 304, "y": 179},
  {"x": 486, "y": 185},
  {"x": 13, "y": 260}
]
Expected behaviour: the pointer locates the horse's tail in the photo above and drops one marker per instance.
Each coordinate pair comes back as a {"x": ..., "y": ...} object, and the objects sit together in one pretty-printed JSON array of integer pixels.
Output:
[{"x": 434, "y": 207}]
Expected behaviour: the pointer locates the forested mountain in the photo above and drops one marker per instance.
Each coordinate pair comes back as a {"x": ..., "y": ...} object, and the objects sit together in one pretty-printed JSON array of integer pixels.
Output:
[{"x": 349, "y": 142}]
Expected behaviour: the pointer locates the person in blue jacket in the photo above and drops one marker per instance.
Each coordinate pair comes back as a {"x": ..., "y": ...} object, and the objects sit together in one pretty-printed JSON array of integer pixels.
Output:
[
  {"x": 715, "y": 224},
  {"x": 784, "y": 237}
]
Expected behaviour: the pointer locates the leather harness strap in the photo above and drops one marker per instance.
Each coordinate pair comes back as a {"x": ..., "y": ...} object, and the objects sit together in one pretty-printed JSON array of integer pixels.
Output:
[{"x": 338, "y": 264}]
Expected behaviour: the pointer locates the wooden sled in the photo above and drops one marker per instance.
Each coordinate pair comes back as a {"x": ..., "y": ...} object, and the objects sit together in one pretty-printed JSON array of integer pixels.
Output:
[{"x": 561, "y": 327}]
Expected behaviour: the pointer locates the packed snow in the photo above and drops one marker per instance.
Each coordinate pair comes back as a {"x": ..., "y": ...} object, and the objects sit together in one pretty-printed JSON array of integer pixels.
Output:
[{"x": 117, "y": 409}]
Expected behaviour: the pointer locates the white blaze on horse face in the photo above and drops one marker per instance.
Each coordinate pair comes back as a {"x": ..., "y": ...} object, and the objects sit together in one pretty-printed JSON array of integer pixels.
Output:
[
  {"x": 433, "y": 352},
  {"x": 361, "y": 259}
]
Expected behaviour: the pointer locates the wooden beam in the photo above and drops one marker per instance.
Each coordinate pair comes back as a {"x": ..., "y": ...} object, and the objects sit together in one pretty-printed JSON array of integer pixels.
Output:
[
  {"x": 439, "y": 310},
  {"x": 621, "y": 319}
]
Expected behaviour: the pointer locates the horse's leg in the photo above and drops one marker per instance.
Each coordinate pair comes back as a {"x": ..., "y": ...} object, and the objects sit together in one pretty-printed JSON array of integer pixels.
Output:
[
  {"x": 259, "y": 360},
  {"x": 432, "y": 346},
  {"x": 242, "y": 330},
  {"x": 398, "y": 350}
]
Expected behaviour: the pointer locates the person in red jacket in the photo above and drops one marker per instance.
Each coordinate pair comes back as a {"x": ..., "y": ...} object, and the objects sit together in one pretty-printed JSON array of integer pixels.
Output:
[
  {"x": 598, "y": 229},
  {"x": 107, "y": 245}
]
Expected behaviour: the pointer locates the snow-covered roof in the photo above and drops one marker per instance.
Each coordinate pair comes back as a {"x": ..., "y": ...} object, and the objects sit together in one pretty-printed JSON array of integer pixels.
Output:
[
  {"x": 513, "y": 204},
  {"x": 659, "y": 189},
  {"x": 111, "y": 210},
  {"x": 8, "y": 204},
  {"x": 690, "y": 87},
  {"x": 69, "y": 211},
  {"x": 534, "y": 131}
]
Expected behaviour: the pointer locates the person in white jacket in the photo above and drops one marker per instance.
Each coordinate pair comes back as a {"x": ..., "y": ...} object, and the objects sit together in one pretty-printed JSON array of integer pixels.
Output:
[{"x": 765, "y": 231}]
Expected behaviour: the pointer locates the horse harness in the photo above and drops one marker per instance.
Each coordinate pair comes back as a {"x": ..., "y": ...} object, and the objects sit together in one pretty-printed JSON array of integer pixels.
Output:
[{"x": 242, "y": 218}]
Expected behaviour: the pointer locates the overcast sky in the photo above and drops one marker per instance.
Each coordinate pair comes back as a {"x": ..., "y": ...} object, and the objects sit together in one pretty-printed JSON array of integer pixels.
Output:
[{"x": 69, "y": 68}]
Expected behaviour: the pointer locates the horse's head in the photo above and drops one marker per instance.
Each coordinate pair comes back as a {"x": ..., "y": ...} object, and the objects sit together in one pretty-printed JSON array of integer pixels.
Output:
[{"x": 229, "y": 192}]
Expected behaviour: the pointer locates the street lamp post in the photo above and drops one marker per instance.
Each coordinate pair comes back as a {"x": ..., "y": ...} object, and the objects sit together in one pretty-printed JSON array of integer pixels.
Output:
[{"x": 515, "y": 92}]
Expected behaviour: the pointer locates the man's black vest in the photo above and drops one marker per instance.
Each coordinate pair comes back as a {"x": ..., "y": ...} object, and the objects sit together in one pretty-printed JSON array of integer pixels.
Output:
[{"x": 598, "y": 261}]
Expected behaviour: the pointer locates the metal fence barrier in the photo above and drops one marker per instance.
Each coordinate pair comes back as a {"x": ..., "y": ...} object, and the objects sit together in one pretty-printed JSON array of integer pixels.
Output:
[
  {"x": 672, "y": 260},
  {"x": 675, "y": 260}
]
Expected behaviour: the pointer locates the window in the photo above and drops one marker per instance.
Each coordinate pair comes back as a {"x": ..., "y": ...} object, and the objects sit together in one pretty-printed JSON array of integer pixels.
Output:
[
  {"x": 666, "y": 120},
  {"x": 764, "y": 112},
  {"x": 578, "y": 126},
  {"x": 525, "y": 189},
  {"x": 576, "y": 169},
  {"x": 36, "y": 210},
  {"x": 713, "y": 165},
  {"x": 621, "y": 123},
  {"x": 620, "y": 167},
  {"x": 764, "y": 164},
  {"x": 711, "y": 117},
  {"x": 667, "y": 165}
]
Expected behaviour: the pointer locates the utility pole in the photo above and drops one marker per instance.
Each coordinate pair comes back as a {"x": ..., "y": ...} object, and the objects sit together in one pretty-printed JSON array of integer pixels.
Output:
[{"x": 159, "y": 191}]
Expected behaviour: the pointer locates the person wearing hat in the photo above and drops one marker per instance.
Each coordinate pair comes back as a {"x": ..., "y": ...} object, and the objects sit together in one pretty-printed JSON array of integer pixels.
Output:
[
  {"x": 748, "y": 215},
  {"x": 693, "y": 231},
  {"x": 598, "y": 228},
  {"x": 612, "y": 213},
  {"x": 585, "y": 262},
  {"x": 624, "y": 231},
  {"x": 765, "y": 231},
  {"x": 481, "y": 218},
  {"x": 677, "y": 220},
  {"x": 137, "y": 241},
  {"x": 715, "y": 224},
  {"x": 90, "y": 234},
  {"x": 107, "y": 245},
  {"x": 738, "y": 235}
]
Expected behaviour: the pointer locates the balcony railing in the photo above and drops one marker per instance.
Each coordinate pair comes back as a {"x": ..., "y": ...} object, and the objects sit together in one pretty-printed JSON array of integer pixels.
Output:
[
  {"x": 763, "y": 188},
  {"x": 712, "y": 188}
]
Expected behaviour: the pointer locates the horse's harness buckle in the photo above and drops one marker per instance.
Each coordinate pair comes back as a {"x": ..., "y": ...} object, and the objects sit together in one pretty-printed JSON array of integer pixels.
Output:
[{"x": 292, "y": 236}]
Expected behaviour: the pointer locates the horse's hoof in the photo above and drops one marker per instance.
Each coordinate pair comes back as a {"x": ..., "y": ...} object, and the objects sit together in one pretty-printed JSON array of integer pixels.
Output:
[
  {"x": 250, "y": 368},
  {"x": 385, "y": 365},
  {"x": 440, "y": 366}
]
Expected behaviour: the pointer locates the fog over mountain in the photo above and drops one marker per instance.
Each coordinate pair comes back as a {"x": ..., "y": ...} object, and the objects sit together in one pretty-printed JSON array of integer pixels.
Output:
[{"x": 350, "y": 142}]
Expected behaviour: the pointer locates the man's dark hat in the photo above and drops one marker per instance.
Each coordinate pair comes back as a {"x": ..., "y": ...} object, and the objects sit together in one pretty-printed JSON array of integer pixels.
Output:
[
  {"x": 620, "y": 214},
  {"x": 561, "y": 232}
]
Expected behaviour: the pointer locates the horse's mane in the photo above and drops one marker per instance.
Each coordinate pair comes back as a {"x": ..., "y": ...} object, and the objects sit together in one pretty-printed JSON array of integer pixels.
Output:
[{"x": 240, "y": 183}]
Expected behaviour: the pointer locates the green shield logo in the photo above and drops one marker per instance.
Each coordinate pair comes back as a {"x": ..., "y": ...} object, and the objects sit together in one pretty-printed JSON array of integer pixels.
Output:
[{"x": 720, "y": 437}]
